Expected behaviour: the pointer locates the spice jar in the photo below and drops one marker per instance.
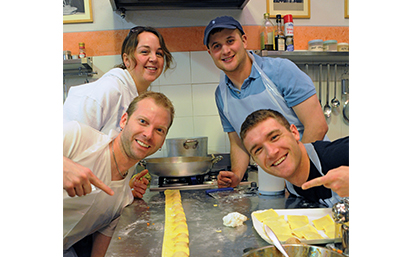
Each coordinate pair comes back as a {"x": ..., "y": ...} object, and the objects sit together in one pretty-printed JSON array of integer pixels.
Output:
[
  {"x": 82, "y": 51},
  {"x": 315, "y": 45},
  {"x": 330, "y": 45},
  {"x": 343, "y": 47}
]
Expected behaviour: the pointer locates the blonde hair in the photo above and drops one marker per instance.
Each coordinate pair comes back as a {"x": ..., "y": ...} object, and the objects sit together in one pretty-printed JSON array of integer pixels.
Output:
[{"x": 159, "y": 98}]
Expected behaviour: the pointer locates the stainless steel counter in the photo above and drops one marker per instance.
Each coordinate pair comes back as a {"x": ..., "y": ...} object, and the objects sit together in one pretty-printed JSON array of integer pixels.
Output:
[{"x": 140, "y": 229}]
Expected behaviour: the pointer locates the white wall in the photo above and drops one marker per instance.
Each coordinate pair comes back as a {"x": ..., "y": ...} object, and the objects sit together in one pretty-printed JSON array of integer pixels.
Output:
[{"x": 191, "y": 86}]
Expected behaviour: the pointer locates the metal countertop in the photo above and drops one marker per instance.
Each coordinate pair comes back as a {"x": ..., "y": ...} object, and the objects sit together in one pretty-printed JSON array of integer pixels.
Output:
[{"x": 140, "y": 229}]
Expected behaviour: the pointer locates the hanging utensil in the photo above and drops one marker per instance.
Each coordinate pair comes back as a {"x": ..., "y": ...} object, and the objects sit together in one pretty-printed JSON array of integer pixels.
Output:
[
  {"x": 335, "y": 102},
  {"x": 275, "y": 240},
  {"x": 345, "y": 84},
  {"x": 346, "y": 111},
  {"x": 345, "y": 95},
  {"x": 320, "y": 84},
  {"x": 327, "y": 110}
]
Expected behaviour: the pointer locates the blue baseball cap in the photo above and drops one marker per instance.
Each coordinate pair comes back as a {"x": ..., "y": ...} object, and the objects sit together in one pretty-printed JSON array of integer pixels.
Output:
[{"x": 223, "y": 22}]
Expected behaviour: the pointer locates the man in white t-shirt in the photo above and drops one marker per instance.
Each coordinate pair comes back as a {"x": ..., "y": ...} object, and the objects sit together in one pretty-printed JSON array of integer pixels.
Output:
[{"x": 112, "y": 159}]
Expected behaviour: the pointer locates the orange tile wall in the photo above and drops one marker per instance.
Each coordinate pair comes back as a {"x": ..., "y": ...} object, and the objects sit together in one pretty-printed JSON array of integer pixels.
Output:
[{"x": 109, "y": 42}]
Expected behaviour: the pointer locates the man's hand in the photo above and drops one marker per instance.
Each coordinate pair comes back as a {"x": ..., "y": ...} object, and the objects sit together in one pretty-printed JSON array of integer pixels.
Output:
[
  {"x": 139, "y": 184},
  {"x": 227, "y": 179},
  {"x": 239, "y": 160},
  {"x": 337, "y": 180},
  {"x": 77, "y": 179}
]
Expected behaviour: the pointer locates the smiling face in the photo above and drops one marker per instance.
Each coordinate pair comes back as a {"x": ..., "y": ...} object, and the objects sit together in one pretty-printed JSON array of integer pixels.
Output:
[
  {"x": 228, "y": 49},
  {"x": 144, "y": 132},
  {"x": 275, "y": 149},
  {"x": 149, "y": 59}
]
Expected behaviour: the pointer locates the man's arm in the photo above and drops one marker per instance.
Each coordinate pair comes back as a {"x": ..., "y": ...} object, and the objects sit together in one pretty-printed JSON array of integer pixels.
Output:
[
  {"x": 311, "y": 115},
  {"x": 100, "y": 245},
  {"x": 239, "y": 159}
]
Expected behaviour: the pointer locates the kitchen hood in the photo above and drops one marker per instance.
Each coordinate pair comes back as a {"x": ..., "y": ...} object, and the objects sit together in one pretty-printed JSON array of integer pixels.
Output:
[{"x": 134, "y": 5}]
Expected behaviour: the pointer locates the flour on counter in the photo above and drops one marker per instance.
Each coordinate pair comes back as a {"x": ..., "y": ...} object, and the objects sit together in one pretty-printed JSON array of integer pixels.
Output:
[{"x": 234, "y": 219}]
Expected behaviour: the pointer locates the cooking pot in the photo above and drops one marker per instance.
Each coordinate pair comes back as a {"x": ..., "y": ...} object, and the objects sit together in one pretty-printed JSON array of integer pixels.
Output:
[
  {"x": 180, "y": 166},
  {"x": 293, "y": 250},
  {"x": 186, "y": 146}
]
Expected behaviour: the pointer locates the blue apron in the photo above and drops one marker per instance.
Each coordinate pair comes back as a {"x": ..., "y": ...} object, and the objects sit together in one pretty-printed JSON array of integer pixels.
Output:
[{"x": 313, "y": 156}]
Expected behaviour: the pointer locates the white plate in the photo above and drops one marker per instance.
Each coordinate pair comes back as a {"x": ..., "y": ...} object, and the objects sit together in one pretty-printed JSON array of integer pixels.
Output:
[{"x": 312, "y": 214}]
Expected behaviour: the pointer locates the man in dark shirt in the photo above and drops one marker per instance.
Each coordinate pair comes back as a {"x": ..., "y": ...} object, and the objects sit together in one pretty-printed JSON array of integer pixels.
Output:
[{"x": 317, "y": 171}]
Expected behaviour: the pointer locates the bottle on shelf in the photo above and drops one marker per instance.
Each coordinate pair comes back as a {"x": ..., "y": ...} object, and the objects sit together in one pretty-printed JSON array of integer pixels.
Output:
[
  {"x": 288, "y": 21},
  {"x": 82, "y": 50},
  {"x": 279, "y": 35},
  {"x": 266, "y": 34}
]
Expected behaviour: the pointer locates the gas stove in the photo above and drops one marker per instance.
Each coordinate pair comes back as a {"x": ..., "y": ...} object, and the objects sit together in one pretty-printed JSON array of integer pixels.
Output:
[{"x": 206, "y": 181}]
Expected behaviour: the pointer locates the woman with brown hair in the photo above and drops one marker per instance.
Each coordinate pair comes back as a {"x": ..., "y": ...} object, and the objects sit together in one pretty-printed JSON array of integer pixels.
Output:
[{"x": 100, "y": 104}]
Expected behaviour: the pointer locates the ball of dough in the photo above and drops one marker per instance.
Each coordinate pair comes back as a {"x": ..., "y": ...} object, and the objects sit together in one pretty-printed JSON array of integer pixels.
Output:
[{"x": 234, "y": 219}]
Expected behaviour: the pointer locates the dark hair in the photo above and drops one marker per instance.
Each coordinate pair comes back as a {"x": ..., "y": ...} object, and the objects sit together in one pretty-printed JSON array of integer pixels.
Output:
[
  {"x": 130, "y": 43},
  {"x": 159, "y": 98},
  {"x": 259, "y": 116}
]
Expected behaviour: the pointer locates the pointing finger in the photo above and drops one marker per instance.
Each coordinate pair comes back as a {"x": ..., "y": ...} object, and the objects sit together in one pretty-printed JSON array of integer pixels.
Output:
[
  {"x": 98, "y": 183},
  {"x": 313, "y": 183}
]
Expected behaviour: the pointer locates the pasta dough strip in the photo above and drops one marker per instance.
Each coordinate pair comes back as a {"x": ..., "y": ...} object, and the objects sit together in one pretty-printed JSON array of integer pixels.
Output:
[{"x": 176, "y": 234}]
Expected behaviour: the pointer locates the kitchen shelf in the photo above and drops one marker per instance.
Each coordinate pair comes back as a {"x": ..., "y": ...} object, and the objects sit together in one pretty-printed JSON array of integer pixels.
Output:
[
  {"x": 76, "y": 68},
  {"x": 82, "y": 65},
  {"x": 308, "y": 57}
]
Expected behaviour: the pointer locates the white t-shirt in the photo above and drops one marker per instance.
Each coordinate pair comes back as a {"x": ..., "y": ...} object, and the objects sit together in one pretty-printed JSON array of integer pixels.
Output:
[
  {"x": 96, "y": 211},
  {"x": 101, "y": 104}
]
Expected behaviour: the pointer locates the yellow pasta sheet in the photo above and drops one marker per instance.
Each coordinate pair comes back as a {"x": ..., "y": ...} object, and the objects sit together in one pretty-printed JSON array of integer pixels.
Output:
[
  {"x": 297, "y": 221},
  {"x": 266, "y": 214},
  {"x": 330, "y": 231},
  {"x": 176, "y": 233},
  {"x": 326, "y": 224},
  {"x": 307, "y": 232},
  {"x": 323, "y": 222},
  {"x": 281, "y": 230}
]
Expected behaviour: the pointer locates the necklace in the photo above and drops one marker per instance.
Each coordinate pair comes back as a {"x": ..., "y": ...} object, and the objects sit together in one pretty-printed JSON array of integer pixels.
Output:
[{"x": 117, "y": 166}]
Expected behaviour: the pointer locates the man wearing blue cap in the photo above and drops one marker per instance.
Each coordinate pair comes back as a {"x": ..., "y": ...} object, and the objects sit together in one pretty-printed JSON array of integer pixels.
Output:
[{"x": 248, "y": 83}]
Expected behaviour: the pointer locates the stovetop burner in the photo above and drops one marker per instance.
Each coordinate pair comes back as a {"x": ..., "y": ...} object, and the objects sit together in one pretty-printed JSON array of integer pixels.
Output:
[
  {"x": 165, "y": 182},
  {"x": 206, "y": 181},
  {"x": 181, "y": 181}
]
